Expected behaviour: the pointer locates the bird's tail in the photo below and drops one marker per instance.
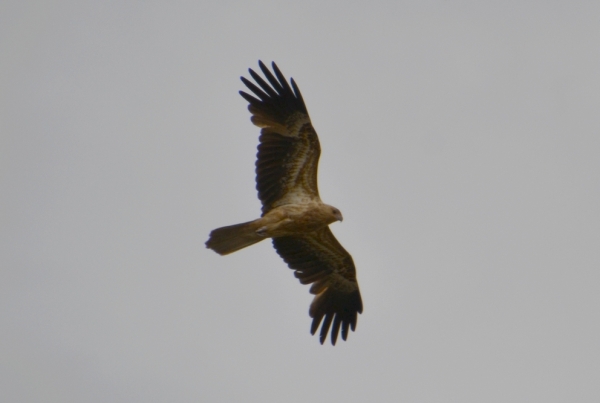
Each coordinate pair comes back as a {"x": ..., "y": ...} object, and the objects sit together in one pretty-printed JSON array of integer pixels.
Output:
[{"x": 226, "y": 240}]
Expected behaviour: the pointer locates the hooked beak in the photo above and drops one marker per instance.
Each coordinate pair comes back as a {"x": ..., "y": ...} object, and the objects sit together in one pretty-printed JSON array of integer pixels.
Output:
[{"x": 339, "y": 217}]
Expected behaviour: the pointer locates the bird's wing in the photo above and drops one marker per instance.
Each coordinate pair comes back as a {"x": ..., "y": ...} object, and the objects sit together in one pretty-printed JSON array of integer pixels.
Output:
[
  {"x": 318, "y": 258},
  {"x": 288, "y": 153}
]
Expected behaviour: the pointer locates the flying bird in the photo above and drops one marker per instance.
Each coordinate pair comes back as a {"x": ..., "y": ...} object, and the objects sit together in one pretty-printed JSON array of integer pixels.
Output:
[{"x": 293, "y": 215}]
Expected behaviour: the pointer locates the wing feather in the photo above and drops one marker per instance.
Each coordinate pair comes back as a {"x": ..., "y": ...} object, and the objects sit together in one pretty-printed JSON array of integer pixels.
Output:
[
  {"x": 289, "y": 149},
  {"x": 318, "y": 258},
  {"x": 266, "y": 87},
  {"x": 257, "y": 91},
  {"x": 276, "y": 84},
  {"x": 253, "y": 101}
]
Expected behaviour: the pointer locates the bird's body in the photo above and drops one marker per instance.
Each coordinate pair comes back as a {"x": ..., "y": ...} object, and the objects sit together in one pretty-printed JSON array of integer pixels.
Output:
[
  {"x": 293, "y": 214},
  {"x": 292, "y": 219},
  {"x": 286, "y": 220}
]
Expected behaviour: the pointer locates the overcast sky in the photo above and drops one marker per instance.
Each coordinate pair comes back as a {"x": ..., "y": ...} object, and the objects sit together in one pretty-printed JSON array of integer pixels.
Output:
[{"x": 461, "y": 141}]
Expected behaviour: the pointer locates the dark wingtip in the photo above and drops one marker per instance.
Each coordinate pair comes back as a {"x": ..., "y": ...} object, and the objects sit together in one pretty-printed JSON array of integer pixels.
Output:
[
  {"x": 336, "y": 316},
  {"x": 251, "y": 100},
  {"x": 245, "y": 80},
  {"x": 314, "y": 326}
]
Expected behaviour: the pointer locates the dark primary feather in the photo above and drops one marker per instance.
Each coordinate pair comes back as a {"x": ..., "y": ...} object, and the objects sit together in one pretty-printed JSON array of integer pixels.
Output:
[
  {"x": 318, "y": 258},
  {"x": 289, "y": 149}
]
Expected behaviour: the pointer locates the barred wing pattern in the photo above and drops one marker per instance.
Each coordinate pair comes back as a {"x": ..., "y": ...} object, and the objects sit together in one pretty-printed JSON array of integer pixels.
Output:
[
  {"x": 318, "y": 258},
  {"x": 289, "y": 149}
]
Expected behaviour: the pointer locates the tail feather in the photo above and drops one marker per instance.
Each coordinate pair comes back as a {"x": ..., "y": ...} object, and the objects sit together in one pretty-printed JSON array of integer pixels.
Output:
[{"x": 226, "y": 240}]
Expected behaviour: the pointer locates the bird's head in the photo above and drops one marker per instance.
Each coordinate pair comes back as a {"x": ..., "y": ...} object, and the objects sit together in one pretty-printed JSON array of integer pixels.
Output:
[{"x": 337, "y": 214}]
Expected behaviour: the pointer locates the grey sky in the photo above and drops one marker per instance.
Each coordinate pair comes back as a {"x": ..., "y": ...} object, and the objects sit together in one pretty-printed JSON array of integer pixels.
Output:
[{"x": 461, "y": 141}]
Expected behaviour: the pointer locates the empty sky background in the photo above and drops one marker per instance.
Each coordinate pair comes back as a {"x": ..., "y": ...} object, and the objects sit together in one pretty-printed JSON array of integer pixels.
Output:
[{"x": 461, "y": 141}]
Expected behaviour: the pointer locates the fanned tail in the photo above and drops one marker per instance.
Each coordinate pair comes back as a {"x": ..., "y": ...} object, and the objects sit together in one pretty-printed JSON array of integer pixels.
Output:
[{"x": 226, "y": 240}]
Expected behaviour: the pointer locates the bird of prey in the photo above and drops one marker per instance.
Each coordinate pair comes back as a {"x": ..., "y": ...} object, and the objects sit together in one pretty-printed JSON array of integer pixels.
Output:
[{"x": 293, "y": 215}]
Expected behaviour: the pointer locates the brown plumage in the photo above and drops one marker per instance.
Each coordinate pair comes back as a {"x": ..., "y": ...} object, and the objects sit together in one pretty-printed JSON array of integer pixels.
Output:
[{"x": 293, "y": 214}]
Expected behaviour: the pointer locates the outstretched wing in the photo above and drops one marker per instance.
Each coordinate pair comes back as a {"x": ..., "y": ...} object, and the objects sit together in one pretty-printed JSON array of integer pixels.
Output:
[
  {"x": 318, "y": 258},
  {"x": 288, "y": 153}
]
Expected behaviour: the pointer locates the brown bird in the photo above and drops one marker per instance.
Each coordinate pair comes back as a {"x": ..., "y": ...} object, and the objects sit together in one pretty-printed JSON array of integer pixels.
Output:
[{"x": 293, "y": 215}]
